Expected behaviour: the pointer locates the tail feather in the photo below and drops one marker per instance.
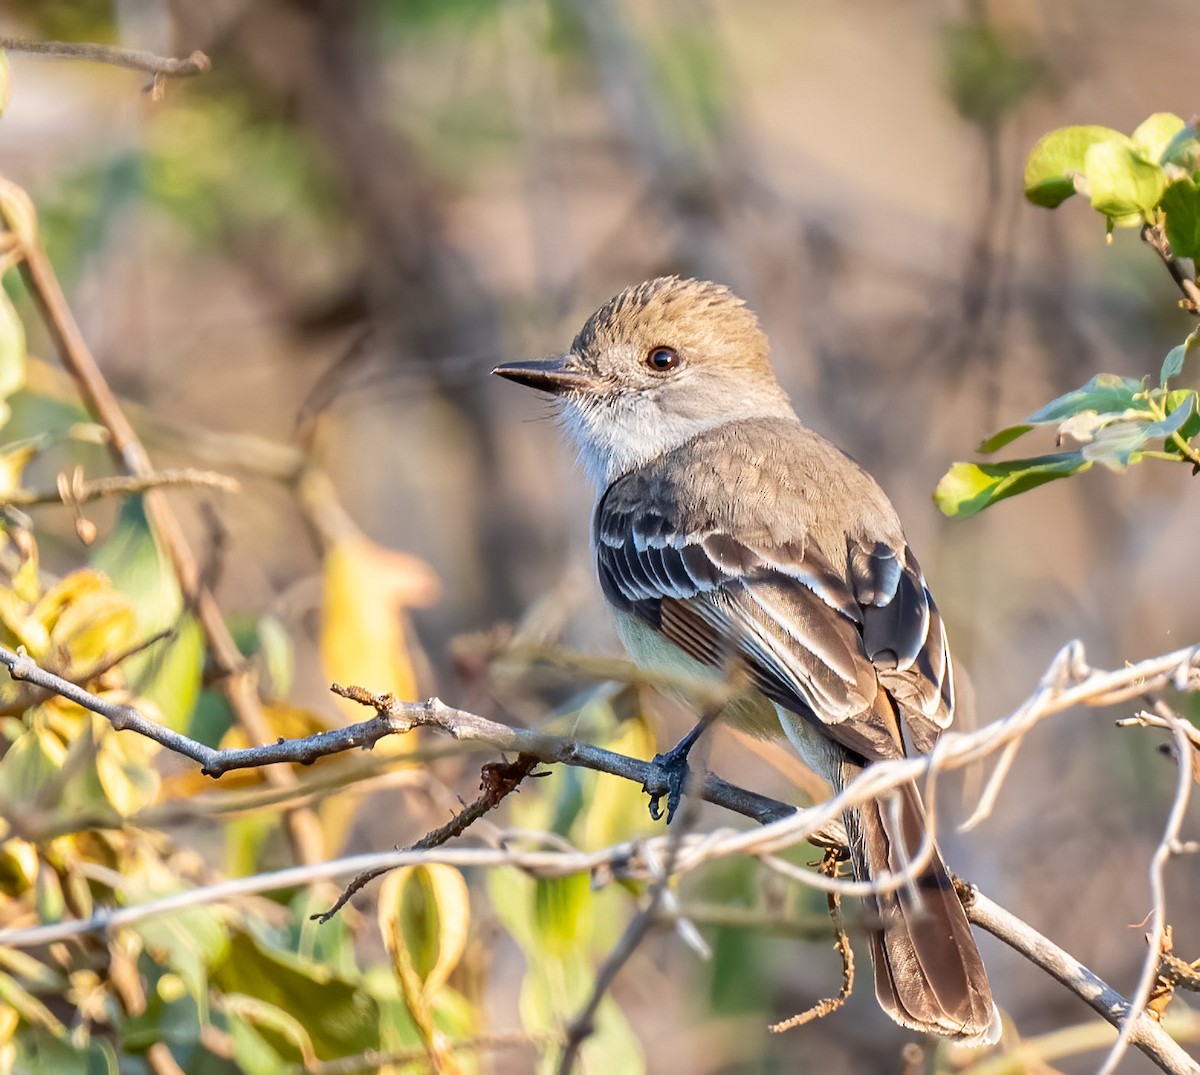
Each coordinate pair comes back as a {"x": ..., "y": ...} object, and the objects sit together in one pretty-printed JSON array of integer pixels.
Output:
[{"x": 928, "y": 972}]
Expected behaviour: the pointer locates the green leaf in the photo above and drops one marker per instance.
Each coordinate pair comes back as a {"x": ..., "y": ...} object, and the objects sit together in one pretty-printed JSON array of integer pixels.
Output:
[
  {"x": 169, "y": 671},
  {"x": 1057, "y": 157},
  {"x": 1118, "y": 444},
  {"x": 1173, "y": 364},
  {"x": 266, "y": 1039},
  {"x": 1181, "y": 204},
  {"x": 277, "y": 653},
  {"x": 988, "y": 71},
  {"x": 31, "y": 1010},
  {"x": 1106, "y": 393},
  {"x": 339, "y": 1015},
  {"x": 189, "y": 943},
  {"x": 1124, "y": 185},
  {"x": 40, "y": 1053},
  {"x": 30, "y": 765},
  {"x": 562, "y": 912},
  {"x": 1155, "y": 134},
  {"x": 967, "y": 488},
  {"x": 1006, "y": 436},
  {"x": 1183, "y": 151},
  {"x": 1183, "y": 398}
]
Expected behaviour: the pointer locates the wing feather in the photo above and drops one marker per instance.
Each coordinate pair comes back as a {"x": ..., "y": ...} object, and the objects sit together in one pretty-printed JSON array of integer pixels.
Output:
[{"x": 818, "y": 632}]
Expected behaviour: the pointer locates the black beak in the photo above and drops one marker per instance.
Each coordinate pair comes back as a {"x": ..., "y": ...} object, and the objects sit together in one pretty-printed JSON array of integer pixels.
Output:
[{"x": 553, "y": 375}]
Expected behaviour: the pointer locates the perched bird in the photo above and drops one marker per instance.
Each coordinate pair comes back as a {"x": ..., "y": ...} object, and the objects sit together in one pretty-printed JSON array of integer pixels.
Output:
[{"x": 729, "y": 535}]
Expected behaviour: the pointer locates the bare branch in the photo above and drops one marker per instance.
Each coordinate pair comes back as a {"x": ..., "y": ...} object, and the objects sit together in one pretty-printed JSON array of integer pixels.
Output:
[
  {"x": 582, "y": 1026},
  {"x": 133, "y": 59},
  {"x": 81, "y": 491},
  {"x": 396, "y": 717},
  {"x": 1144, "y": 1032}
]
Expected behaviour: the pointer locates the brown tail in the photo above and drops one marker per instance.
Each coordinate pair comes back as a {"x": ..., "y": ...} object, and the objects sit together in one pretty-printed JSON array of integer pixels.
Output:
[{"x": 928, "y": 972}]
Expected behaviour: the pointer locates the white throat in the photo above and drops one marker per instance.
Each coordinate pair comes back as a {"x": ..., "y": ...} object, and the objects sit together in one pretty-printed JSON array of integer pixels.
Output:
[{"x": 617, "y": 434}]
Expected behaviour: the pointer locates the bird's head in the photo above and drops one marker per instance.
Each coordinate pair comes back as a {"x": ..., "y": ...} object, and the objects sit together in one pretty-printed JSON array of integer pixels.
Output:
[{"x": 656, "y": 365}]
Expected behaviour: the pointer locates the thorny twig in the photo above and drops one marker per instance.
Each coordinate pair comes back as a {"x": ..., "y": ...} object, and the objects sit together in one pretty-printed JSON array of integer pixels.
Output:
[
  {"x": 497, "y": 780},
  {"x": 828, "y": 1005}
]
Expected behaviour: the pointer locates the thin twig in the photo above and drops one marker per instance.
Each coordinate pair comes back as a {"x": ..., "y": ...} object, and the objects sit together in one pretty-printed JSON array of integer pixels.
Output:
[
  {"x": 1167, "y": 847},
  {"x": 1144, "y": 1032},
  {"x": 828, "y": 1005},
  {"x": 394, "y": 718},
  {"x": 583, "y": 1025},
  {"x": 1147, "y": 1035},
  {"x": 134, "y": 59},
  {"x": 497, "y": 781},
  {"x": 82, "y": 491},
  {"x": 1156, "y": 238},
  {"x": 782, "y": 823}
]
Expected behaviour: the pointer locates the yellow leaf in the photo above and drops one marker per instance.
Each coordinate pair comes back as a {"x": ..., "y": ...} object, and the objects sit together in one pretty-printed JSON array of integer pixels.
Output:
[
  {"x": 366, "y": 589},
  {"x": 129, "y": 784},
  {"x": 94, "y": 625},
  {"x": 424, "y": 914},
  {"x": 617, "y": 808},
  {"x": 26, "y": 584},
  {"x": 18, "y": 865},
  {"x": 15, "y": 459},
  {"x": 562, "y": 913},
  {"x": 8, "y": 1024},
  {"x": 20, "y": 627},
  {"x": 5, "y": 93},
  {"x": 34, "y": 759}
]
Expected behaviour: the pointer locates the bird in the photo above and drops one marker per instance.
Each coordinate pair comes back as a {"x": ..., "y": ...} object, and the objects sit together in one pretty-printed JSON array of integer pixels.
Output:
[{"x": 729, "y": 537}]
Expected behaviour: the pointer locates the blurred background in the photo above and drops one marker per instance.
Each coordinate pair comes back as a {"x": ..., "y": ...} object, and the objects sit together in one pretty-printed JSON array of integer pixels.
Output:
[{"x": 313, "y": 255}]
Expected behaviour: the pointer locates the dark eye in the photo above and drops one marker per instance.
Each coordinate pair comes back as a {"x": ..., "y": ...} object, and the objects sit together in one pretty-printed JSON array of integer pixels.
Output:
[{"x": 662, "y": 359}]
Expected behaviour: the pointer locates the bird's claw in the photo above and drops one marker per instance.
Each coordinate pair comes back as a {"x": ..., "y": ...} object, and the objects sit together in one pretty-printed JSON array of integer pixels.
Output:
[{"x": 675, "y": 770}]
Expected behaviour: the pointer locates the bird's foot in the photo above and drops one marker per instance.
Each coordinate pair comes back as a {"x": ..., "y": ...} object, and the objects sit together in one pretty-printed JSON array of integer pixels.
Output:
[{"x": 675, "y": 775}]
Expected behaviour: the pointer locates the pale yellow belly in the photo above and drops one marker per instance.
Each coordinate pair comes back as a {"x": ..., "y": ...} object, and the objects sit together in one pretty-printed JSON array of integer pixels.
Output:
[{"x": 749, "y": 711}]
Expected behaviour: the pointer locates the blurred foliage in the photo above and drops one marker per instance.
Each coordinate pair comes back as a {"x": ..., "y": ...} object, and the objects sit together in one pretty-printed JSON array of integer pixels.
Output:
[
  {"x": 167, "y": 675},
  {"x": 264, "y": 992},
  {"x": 988, "y": 71},
  {"x": 1147, "y": 180}
]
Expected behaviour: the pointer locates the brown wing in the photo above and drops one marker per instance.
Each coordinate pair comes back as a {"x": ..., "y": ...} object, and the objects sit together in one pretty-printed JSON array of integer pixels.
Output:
[{"x": 816, "y": 637}]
